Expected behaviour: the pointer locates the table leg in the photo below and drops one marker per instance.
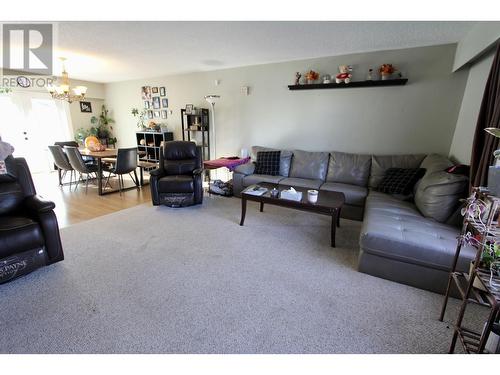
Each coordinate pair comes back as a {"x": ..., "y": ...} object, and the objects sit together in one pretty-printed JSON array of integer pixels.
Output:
[
  {"x": 338, "y": 218},
  {"x": 334, "y": 226},
  {"x": 261, "y": 206},
  {"x": 243, "y": 210},
  {"x": 99, "y": 176},
  {"x": 141, "y": 175}
]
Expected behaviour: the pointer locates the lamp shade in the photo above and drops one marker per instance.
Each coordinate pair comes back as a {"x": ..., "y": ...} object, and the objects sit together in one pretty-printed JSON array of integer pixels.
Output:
[
  {"x": 212, "y": 99},
  {"x": 493, "y": 131}
]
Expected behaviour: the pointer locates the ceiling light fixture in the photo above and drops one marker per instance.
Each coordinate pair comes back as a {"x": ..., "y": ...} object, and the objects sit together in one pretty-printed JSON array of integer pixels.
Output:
[{"x": 63, "y": 91}]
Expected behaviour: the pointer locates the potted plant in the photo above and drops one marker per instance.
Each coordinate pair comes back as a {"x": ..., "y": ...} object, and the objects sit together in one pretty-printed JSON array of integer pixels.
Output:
[
  {"x": 141, "y": 117},
  {"x": 311, "y": 76},
  {"x": 103, "y": 128},
  {"x": 386, "y": 70}
]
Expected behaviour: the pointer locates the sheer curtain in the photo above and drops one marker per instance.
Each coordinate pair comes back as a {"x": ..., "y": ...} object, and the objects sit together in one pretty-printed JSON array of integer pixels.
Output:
[
  {"x": 30, "y": 122},
  {"x": 489, "y": 117}
]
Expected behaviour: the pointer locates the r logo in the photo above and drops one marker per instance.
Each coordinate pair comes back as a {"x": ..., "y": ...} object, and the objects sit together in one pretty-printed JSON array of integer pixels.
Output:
[{"x": 28, "y": 47}]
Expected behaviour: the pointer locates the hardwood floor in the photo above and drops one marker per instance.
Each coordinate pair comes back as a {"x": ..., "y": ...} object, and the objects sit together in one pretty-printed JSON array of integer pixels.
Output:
[{"x": 76, "y": 206}]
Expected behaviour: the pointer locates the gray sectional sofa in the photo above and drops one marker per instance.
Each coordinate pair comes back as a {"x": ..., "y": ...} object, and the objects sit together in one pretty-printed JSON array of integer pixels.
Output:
[{"x": 410, "y": 240}]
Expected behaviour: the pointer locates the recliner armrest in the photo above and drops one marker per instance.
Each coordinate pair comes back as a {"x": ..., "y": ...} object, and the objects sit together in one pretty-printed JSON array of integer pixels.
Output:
[
  {"x": 158, "y": 172},
  {"x": 36, "y": 203},
  {"x": 246, "y": 169},
  {"x": 197, "y": 171}
]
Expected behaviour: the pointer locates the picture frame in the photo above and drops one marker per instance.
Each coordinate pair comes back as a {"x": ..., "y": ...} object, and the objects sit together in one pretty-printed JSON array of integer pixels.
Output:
[
  {"x": 146, "y": 92},
  {"x": 150, "y": 114},
  {"x": 86, "y": 107},
  {"x": 164, "y": 114},
  {"x": 154, "y": 90},
  {"x": 147, "y": 104},
  {"x": 164, "y": 103},
  {"x": 163, "y": 91},
  {"x": 156, "y": 102},
  {"x": 189, "y": 109},
  {"x": 156, "y": 114}
]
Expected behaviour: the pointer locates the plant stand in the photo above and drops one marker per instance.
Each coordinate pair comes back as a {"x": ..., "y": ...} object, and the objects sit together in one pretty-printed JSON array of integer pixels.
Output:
[{"x": 485, "y": 232}]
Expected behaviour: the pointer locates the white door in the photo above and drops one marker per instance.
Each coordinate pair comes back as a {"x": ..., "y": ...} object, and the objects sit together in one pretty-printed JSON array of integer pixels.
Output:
[{"x": 33, "y": 122}]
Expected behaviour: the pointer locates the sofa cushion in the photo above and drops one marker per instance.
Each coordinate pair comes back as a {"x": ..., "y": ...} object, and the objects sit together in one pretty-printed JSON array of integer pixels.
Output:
[
  {"x": 19, "y": 234},
  {"x": 350, "y": 169},
  {"x": 268, "y": 163},
  {"x": 396, "y": 230},
  {"x": 437, "y": 194},
  {"x": 354, "y": 195},
  {"x": 400, "y": 180},
  {"x": 258, "y": 178},
  {"x": 311, "y": 165},
  {"x": 381, "y": 163},
  {"x": 285, "y": 158},
  {"x": 301, "y": 182},
  {"x": 176, "y": 184}
]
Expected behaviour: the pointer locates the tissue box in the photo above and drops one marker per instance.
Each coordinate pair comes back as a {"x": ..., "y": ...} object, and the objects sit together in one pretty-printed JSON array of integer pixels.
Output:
[{"x": 291, "y": 195}]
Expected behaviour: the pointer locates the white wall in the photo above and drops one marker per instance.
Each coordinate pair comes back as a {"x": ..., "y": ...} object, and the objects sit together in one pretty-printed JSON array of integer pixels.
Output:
[
  {"x": 461, "y": 147},
  {"x": 480, "y": 38},
  {"x": 418, "y": 117}
]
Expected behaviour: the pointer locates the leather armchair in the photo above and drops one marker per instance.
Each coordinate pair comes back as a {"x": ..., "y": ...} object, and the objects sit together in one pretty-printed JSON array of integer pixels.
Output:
[
  {"x": 29, "y": 233},
  {"x": 177, "y": 182}
]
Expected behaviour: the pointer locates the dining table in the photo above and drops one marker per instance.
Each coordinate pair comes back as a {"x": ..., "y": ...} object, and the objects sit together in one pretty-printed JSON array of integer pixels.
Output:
[{"x": 98, "y": 156}]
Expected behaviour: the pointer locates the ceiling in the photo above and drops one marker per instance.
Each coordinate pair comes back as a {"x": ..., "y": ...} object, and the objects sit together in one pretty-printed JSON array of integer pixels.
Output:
[{"x": 117, "y": 51}]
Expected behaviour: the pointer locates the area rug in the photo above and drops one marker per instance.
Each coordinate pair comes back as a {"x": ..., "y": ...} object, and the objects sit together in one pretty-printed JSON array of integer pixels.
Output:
[{"x": 161, "y": 280}]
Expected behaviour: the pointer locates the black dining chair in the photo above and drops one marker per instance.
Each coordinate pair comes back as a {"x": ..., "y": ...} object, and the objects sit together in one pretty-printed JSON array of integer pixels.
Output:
[
  {"x": 79, "y": 165},
  {"x": 62, "y": 164},
  {"x": 126, "y": 163}
]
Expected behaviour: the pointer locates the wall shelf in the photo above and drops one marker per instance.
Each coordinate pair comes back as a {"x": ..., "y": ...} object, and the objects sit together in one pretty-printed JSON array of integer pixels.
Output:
[{"x": 315, "y": 86}]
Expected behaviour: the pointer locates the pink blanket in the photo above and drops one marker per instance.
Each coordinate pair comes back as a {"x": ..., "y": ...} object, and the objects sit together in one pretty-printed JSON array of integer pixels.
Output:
[{"x": 225, "y": 162}]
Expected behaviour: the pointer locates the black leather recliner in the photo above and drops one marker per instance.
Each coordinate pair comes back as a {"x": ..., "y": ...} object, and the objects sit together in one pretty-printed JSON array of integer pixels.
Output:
[
  {"x": 177, "y": 182},
  {"x": 29, "y": 233}
]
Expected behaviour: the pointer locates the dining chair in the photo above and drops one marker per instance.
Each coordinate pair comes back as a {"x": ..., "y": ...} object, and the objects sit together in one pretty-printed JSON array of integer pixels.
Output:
[
  {"x": 62, "y": 164},
  {"x": 79, "y": 165},
  {"x": 126, "y": 163}
]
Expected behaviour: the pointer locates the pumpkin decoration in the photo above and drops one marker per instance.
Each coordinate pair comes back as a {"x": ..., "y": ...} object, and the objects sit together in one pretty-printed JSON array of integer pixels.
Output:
[{"x": 93, "y": 144}]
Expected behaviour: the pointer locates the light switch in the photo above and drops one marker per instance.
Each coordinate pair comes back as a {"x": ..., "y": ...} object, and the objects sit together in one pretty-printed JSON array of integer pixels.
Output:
[{"x": 244, "y": 90}]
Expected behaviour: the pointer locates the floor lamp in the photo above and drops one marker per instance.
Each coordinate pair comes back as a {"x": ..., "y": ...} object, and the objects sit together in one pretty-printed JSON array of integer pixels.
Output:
[{"x": 212, "y": 99}]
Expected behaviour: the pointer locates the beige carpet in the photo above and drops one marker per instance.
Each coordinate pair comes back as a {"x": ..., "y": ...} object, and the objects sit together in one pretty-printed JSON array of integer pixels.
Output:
[{"x": 162, "y": 280}]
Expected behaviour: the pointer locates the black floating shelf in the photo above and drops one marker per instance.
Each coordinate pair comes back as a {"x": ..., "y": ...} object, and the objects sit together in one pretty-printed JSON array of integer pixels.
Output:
[{"x": 315, "y": 86}]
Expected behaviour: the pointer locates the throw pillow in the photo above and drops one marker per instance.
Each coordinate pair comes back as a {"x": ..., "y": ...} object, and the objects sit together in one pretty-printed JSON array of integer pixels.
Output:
[
  {"x": 400, "y": 180},
  {"x": 268, "y": 162}
]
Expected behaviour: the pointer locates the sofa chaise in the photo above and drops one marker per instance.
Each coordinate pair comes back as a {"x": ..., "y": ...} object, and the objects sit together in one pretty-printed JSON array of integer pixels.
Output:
[{"x": 410, "y": 240}]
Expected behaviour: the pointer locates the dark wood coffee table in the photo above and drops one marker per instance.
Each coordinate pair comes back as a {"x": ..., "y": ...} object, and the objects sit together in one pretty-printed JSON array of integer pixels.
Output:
[{"x": 329, "y": 203}]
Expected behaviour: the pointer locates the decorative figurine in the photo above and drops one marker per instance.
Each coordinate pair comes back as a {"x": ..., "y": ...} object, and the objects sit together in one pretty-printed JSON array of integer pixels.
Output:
[
  {"x": 344, "y": 75},
  {"x": 297, "y": 78},
  {"x": 369, "y": 76},
  {"x": 327, "y": 78}
]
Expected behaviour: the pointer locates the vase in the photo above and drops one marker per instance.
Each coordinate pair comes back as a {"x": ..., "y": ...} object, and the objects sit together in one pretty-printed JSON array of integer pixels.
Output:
[
  {"x": 310, "y": 81},
  {"x": 386, "y": 76}
]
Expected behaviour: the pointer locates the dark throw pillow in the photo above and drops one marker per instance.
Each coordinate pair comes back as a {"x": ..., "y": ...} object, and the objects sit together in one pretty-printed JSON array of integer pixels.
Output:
[
  {"x": 268, "y": 162},
  {"x": 400, "y": 180}
]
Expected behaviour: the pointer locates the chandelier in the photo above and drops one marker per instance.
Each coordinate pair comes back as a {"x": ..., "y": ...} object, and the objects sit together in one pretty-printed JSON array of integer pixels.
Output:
[{"x": 63, "y": 91}]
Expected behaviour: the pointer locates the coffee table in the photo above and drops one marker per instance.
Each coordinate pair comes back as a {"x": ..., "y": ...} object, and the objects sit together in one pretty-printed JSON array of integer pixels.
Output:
[{"x": 329, "y": 203}]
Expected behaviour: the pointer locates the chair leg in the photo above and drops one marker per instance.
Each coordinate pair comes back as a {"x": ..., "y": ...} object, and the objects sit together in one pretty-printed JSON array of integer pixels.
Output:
[
  {"x": 120, "y": 184},
  {"x": 87, "y": 184},
  {"x": 78, "y": 181},
  {"x": 107, "y": 181},
  {"x": 70, "y": 179}
]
